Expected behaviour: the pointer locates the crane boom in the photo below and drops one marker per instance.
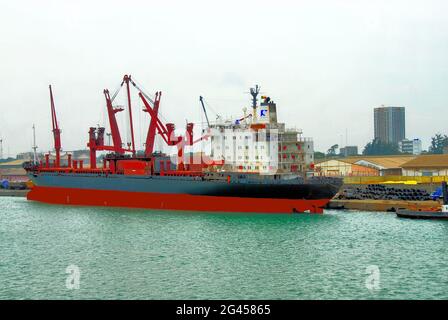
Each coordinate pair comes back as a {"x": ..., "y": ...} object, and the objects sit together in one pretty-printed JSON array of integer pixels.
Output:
[
  {"x": 56, "y": 130},
  {"x": 205, "y": 111},
  {"x": 150, "y": 138},
  {"x": 116, "y": 138},
  {"x": 164, "y": 131}
]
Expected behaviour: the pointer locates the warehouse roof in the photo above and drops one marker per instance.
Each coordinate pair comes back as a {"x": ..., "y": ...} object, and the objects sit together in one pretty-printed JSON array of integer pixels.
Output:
[
  {"x": 12, "y": 171},
  {"x": 320, "y": 161},
  {"x": 12, "y": 163},
  {"x": 428, "y": 161},
  {"x": 379, "y": 162},
  {"x": 385, "y": 162}
]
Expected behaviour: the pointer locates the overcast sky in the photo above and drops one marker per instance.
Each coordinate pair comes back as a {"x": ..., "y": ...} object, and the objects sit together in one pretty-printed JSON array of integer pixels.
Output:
[{"x": 327, "y": 64}]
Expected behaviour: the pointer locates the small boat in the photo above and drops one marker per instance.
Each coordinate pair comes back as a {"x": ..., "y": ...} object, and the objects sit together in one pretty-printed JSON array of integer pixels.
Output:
[
  {"x": 422, "y": 214},
  {"x": 442, "y": 214}
]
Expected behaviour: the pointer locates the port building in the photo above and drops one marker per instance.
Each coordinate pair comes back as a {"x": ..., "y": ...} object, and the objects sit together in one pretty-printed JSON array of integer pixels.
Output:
[
  {"x": 363, "y": 166},
  {"x": 13, "y": 171},
  {"x": 342, "y": 167},
  {"x": 385, "y": 165},
  {"x": 427, "y": 165}
]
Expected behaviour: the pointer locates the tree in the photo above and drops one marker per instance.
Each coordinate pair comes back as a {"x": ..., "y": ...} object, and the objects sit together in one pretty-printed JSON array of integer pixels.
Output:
[
  {"x": 377, "y": 147},
  {"x": 332, "y": 151},
  {"x": 438, "y": 142},
  {"x": 319, "y": 155}
]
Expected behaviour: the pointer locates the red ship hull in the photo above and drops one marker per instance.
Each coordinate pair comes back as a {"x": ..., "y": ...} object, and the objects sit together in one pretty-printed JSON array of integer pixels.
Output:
[{"x": 184, "y": 202}]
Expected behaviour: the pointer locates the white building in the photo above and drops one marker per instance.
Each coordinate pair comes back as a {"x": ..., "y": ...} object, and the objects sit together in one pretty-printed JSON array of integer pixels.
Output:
[
  {"x": 258, "y": 143},
  {"x": 410, "y": 146}
]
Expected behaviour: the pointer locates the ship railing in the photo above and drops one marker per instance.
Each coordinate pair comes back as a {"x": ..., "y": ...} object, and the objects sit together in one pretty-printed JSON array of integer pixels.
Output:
[
  {"x": 294, "y": 129},
  {"x": 78, "y": 170}
]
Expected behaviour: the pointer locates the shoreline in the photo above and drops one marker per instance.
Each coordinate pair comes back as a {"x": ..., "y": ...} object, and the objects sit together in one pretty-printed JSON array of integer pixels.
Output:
[{"x": 13, "y": 193}]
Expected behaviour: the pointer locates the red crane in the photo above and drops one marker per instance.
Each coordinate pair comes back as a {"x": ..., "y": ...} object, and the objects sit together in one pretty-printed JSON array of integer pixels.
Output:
[
  {"x": 150, "y": 137},
  {"x": 115, "y": 132},
  {"x": 96, "y": 135},
  {"x": 96, "y": 139},
  {"x": 56, "y": 131},
  {"x": 167, "y": 132}
]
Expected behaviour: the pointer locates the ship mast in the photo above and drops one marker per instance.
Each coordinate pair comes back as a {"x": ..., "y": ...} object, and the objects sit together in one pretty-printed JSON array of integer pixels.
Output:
[
  {"x": 254, "y": 93},
  {"x": 34, "y": 145}
]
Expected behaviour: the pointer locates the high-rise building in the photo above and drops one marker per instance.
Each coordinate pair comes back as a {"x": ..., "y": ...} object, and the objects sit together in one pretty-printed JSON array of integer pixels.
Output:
[
  {"x": 390, "y": 126},
  {"x": 410, "y": 146}
]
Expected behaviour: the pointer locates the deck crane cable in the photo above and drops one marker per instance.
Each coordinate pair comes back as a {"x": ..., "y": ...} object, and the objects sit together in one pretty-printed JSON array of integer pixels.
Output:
[
  {"x": 151, "y": 100},
  {"x": 210, "y": 107},
  {"x": 116, "y": 91},
  {"x": 139, "y": 88}
]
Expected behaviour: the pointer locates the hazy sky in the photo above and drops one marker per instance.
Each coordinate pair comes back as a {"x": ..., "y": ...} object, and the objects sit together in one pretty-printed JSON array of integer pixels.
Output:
[{"x": 327, "y": 64}]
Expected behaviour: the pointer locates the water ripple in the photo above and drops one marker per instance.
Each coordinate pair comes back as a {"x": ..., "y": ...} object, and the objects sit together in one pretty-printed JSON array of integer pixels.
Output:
[{"x": 141, "y": 254}]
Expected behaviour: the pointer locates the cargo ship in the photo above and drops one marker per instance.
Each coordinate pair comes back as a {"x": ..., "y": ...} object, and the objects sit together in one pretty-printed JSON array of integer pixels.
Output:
[{"x": 255, "y": 165}]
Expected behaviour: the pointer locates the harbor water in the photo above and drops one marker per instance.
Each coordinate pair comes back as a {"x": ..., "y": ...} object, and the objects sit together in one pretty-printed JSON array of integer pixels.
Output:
[{"x": 143, "y": 254}]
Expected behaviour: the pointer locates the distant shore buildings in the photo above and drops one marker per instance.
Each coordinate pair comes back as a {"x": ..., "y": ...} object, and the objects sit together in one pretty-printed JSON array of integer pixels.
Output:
[
  {"x": 397, "y": 165},
  {"x": 348, "y": 151},
  {"x": 410, "y": 146},
  {"x": 390, "y": 124}
]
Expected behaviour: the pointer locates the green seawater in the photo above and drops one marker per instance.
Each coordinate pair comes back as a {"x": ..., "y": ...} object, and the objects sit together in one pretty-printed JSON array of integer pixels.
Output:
[{"x": 142, "y": 254}]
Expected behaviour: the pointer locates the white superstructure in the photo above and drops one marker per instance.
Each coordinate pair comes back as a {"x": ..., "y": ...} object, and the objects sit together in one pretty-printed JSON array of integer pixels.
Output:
[{"x": 258, "y": 143}]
